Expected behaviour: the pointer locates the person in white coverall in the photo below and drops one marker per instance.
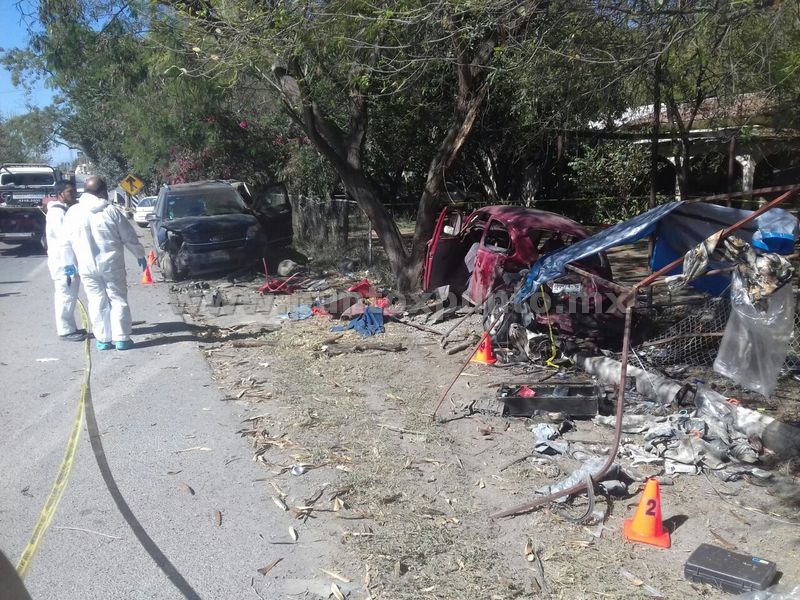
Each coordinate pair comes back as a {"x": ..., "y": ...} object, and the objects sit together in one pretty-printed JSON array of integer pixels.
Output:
[
  {"x": 98, "y": 232},
  {"x": 66, "y": 285}
]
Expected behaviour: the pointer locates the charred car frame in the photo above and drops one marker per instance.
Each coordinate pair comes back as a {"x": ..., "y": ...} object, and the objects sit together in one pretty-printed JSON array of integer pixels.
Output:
[{"x": 490, "y": 250}]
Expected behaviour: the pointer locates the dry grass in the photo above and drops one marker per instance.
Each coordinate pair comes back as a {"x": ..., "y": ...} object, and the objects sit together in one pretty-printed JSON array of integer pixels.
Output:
[{"x": 405, "y": 502}]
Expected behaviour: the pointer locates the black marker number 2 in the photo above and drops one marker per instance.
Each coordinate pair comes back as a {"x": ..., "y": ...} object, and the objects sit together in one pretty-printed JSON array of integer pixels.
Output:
[{"x": 651, "y": 508}]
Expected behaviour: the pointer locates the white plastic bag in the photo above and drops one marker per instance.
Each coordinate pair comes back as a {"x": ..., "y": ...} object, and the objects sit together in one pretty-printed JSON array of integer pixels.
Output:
[
  {"x": 776, "y": 592},
  {"x": 755, "y": 343}
]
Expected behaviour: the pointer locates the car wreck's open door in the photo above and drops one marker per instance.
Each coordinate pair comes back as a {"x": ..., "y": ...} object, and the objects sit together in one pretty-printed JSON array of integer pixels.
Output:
[
  {"x": 490, "y": 259},
  {"x": 444, "y": 259}
]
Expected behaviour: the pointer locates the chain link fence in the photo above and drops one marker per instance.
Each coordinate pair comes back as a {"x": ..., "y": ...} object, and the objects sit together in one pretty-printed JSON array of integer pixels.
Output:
[{"x": 332, "y": 231}]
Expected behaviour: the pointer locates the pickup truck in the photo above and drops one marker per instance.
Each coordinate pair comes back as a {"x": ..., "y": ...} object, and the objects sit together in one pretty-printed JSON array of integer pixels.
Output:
[{"x": 23, "y": 190}]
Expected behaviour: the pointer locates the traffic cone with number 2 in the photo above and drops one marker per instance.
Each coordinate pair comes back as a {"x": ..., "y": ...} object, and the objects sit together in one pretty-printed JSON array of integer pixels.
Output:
[
  {"x": 151, "y": 258},
  {"x": 646, "y": 525}
]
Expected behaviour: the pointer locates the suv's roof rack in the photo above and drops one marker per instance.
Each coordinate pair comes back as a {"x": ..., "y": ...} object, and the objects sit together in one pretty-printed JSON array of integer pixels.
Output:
[{"x": 28, "y": 165}]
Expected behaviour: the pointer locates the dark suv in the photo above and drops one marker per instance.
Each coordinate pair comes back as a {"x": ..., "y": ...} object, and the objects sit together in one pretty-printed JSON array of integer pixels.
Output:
[{"x": 204, "y": 227}]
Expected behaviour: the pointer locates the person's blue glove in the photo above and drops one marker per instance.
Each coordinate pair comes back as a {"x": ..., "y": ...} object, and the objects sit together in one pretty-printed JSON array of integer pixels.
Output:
[
  {"x": 70, "y": 271},
  {"x": 142, "y": 263}
]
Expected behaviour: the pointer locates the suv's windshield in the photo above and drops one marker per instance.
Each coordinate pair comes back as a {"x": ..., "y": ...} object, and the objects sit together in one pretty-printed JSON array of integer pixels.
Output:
[
  {"x": 27, "y": 179},
  {"x": 203, "y": 203}
]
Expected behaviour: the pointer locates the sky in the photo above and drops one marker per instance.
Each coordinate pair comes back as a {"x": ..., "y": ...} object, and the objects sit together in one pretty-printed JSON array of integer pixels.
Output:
[{"x": 14, "y": 101}]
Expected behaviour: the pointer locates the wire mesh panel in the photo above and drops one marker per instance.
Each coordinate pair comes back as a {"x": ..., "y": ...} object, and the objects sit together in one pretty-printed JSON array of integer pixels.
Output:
[{"x": 692, "y": 340}]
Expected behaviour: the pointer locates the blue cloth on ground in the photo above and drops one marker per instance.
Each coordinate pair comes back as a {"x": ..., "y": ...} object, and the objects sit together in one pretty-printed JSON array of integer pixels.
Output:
[
  {"x": 300, "y": 313},
  {"x": 367, "y": 324}
]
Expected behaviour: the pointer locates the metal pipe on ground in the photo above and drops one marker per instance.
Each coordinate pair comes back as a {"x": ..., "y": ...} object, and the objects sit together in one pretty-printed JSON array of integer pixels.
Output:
[{"x": 440, "y": 400}]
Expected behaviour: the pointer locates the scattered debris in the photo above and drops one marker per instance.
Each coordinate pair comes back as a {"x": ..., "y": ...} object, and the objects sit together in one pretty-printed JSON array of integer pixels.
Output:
[
  {"x": 366, "y": 324},
  {"x": 266, "y": 569},
  {"x": 193, "y": 449},
  {"x": 337, "y": 593},
  {"x": 677, "y": 421}
]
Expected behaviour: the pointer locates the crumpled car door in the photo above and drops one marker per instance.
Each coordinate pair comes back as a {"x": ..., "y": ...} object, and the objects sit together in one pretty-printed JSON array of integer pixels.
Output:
[
  {"x": 488, "y": 269},
  {"x": 490, "y": 260}
]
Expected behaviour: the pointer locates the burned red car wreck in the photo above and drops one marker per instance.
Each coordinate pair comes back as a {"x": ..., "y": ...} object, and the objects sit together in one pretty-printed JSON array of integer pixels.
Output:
[{"x": 484, "y": 256}]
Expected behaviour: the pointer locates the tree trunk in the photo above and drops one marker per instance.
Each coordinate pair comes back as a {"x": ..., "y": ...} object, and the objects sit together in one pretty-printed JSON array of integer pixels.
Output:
[
  {"x": 366, "y": 195},
  {"x": 731, "y": 169},
  {"x": 344, "y": 149},
  {"x": 656, "y": 131},
  {"x": 485, "y": 167},
  {"x": 680, "y": 143}
]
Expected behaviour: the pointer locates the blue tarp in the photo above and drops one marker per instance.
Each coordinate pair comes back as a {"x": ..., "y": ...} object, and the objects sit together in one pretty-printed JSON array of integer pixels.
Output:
[{"x": 678, "y": 227}]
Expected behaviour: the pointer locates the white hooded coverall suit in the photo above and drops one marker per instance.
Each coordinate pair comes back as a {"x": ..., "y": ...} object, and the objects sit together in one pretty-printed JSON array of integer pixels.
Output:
[
  {"x": 59, "y": 255},
  {"x": 98, "y": 233}
]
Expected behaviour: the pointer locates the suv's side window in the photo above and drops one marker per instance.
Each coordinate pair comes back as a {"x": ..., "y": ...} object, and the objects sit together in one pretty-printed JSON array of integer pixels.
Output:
[{"x": 159, "y": 209}]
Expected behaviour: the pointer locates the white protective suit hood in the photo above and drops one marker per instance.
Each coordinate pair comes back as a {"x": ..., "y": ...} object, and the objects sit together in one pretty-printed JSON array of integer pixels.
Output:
[
  {"x": 98, "y": 234},
  {"x": 92, "y": 202}
]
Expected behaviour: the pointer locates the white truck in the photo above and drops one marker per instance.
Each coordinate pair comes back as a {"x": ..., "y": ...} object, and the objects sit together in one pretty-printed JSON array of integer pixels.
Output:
[{"x": 24, "y": 192}]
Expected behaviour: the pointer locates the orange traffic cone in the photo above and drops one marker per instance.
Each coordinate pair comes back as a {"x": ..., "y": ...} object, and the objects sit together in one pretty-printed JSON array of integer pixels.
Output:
[
  {"x": 147, "y": 278},
  {"x": 151, "y": 258},
  {"x": 485, "y": 354},
  {"x": 646, "y": 526}
]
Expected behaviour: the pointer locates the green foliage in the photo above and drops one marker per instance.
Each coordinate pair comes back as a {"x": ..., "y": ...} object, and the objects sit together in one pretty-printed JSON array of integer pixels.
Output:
[
  {"x": 304, "y": 171},
  {"x": 614, "y": 174},
  {"x": 27, "y": 137},
  {"x": 125, "y": 108}
]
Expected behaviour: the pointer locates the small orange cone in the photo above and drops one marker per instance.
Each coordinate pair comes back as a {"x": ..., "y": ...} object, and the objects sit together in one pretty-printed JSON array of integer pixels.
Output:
[
  {"x": 151, "y": 258},
  {"x": 147, "y": 278},
  {"x": 485, "y": 354},
  {"x": 646, "y": 526}
]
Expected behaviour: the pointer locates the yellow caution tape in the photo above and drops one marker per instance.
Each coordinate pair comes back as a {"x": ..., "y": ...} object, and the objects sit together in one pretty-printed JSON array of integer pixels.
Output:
[
  {"x": 60, "y": 484},
  {"x": 549, "y": 362}
]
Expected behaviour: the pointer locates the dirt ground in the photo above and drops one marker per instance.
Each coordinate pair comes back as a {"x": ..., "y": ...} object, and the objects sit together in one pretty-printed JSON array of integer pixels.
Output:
[{"x": 350, "y": 451}]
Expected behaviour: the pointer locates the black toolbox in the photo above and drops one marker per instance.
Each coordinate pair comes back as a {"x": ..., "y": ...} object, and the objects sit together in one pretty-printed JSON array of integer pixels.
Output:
[
  {"x": 732, "y": 572},
  {"x": 573, "y": 399}
]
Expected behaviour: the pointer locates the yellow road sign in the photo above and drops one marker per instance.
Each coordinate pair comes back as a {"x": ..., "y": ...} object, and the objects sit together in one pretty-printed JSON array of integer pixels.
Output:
[{"x": 132, "y": 184}]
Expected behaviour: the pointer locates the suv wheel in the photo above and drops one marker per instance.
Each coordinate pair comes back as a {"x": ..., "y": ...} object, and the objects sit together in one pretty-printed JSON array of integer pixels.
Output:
[
  {"x": 167, "y": 266},
  {"x": 169, "y": 269}
]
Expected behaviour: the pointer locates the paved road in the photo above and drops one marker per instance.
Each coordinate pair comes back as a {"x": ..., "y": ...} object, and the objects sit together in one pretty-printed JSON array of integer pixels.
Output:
[{"x": 130, "y": 529}]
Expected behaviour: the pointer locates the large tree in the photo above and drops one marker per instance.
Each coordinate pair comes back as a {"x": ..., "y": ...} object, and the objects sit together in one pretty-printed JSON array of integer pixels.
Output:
[
  {"x": 27, "y": 137},
  {"x": 335, "y": 66}
]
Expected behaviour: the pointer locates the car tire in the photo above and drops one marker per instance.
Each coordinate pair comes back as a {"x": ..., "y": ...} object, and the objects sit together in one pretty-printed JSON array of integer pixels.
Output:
[
  {"x": 167, "y": 266},
  {"x": 43, "y": 241}
]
